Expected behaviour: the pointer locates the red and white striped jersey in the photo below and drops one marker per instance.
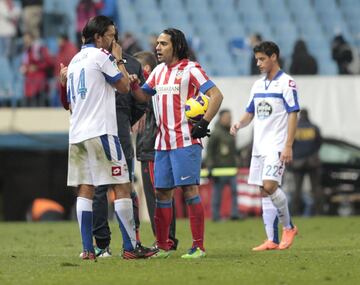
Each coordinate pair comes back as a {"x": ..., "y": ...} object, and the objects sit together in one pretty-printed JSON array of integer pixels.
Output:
[{"x": 171, "y": 87}]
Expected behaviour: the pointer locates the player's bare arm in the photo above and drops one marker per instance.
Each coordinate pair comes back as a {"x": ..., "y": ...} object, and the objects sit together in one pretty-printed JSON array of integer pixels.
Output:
[
  {"x": 216, "y": 98},
  {"x": 287, "y": 154},
  {"x": 244, "y": 121},
  {"x": 122, "y": 85},
  {"x": 138, "y": 93}
]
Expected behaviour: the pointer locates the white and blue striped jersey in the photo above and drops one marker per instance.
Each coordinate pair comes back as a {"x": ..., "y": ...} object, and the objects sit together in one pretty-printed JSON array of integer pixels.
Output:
[
  {"x": 270, "y": 102},
  {"x": 90, "y": 75}
]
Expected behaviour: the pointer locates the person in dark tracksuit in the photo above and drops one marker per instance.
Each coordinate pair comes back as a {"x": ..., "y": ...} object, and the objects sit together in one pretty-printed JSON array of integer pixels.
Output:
[
  {"x": 128, "y": 112},
  {"x": 145, "y": 152},
  {"x": 307, "y": 162}
]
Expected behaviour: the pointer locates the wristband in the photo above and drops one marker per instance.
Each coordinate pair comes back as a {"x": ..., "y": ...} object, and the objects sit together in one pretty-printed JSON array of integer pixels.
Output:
[
  {"x": 134, "y": 86},
  {"x": 120, "y": 61}
]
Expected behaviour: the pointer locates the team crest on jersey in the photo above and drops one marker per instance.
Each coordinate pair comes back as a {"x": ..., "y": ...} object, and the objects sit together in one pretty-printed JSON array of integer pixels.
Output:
[
  {"x": 116, "y": 171},
  {"x": 292, "y": 83},
  {"x": 263, "y": 110},
  {"x": 179, "y": 74}
]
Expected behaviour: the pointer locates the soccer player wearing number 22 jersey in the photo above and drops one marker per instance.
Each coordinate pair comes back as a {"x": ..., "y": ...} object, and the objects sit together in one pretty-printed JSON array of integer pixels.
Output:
[
  {"x": 273, "y": 105},
  {"x": 178, "y": 142}
]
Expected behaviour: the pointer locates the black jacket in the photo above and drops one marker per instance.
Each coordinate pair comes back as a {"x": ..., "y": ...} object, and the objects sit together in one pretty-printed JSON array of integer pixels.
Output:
[
  {"x": 307, "y": 140},
  {"x": 145, "y": 141},
  {"x": 128, "y": 110}
]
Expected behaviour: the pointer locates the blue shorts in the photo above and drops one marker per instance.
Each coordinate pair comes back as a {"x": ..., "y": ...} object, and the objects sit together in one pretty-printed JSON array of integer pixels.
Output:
[{"x": 178, "y": 167}]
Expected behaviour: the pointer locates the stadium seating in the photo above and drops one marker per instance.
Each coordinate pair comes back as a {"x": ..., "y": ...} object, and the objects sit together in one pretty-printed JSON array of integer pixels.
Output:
[{"x": 218, "y": 30}]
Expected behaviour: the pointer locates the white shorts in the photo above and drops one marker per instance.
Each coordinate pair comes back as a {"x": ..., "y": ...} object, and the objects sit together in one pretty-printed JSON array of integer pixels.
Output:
[
  {"x": 266, "y": 168},
  {"x": 97, "y": 161}
]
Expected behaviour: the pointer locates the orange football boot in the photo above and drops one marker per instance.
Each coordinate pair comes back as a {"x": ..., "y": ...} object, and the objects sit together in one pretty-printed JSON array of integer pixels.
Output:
[
  {"x": 288, "y": 237},
  {"x": 267, "y": 245}
]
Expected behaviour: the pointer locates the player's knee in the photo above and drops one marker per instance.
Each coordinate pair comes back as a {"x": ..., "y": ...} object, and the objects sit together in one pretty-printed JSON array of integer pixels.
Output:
[
  {"x": 269, "y": 187},
  {"x": 86, "y": 191},
  {"x": 163, "y": 194},
  {"x": 190, "y": 191},
  {"x": 122, "y": 190}
]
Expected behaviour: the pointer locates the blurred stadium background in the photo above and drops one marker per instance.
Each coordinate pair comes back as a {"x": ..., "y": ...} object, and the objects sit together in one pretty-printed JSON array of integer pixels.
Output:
[{"x": 33, "y": 141}]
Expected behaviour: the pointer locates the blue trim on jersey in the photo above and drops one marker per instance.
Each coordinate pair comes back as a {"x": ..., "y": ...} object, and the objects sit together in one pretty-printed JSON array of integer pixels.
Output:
[
  {"x": 251, "y": 107},
  {"x": 88, "y": 45},
  {"x": 193, "y": 200},
  {"x": 296, "y": 107},
  {"x": 206, "y": 86},
  {"x": 277, "y": 75},
  {"x": 276, "y": 230},
  {"x": 68, "y": 99},
  {"x": 106, "y": 146},
  {"x": 111, "y": 57},
  {"x": 113, "y": 79},
  {"x": 148, "y": 89},
  {"x": 268, "y": 95},
  {"x": 163, "y": 204},
  {"x": 118, "y": 148},
  {"x": 126, "y": 238},
  {"x": 86, "y": 230}
]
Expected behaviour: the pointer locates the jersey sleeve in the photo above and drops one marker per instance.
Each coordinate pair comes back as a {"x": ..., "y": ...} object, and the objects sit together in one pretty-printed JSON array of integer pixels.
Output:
[
  {"x": 109, "y": 67},
  {"x": 150, "y": 85},
  {"x": 199, "y": 79},
  {"x": 290, "y": 96},
  {"x": 250, "y": 107}
]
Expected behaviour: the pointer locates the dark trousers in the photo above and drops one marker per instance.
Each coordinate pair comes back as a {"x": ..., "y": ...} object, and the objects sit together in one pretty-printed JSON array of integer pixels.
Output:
[
  {"x": 219, "y": 184},
  {"x": 309, "y": 166},
  {"x": 147, "y": 173},
  {"x": 101, "y": 229}
]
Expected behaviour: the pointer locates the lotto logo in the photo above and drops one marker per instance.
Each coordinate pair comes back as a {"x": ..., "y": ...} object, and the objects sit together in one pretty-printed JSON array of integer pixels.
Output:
[
  {"x": 292, "y": 84},
  {"x": 116, "y": 171}
]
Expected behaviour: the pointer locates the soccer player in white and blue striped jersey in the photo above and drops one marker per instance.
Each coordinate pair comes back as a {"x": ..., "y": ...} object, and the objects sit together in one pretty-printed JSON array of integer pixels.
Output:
[{"x": 273, "y": 105}]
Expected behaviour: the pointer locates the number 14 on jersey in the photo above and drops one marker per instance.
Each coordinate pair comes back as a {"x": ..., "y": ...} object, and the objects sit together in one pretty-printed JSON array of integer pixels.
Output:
[{"x": 81, "y": 88}]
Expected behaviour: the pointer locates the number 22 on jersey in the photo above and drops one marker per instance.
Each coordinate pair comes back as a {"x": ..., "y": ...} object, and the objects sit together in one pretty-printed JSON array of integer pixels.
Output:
[{"x": 81, "y": 88}]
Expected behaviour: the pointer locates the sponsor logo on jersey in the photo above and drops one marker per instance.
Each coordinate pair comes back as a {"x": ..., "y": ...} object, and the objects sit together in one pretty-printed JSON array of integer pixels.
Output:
[
  {"x": 116, "y": 171},
  {"x": 292, "y": 83},
  {"x": 168, "y": 89},
  {"x": 263, "y": 110}
]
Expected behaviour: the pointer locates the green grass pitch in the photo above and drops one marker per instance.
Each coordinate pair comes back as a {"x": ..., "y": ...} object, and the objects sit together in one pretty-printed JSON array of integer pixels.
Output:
[{"x": 326, "y": 251}]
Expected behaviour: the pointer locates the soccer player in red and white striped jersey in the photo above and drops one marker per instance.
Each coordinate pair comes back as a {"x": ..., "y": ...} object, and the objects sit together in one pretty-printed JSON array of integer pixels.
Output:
[{"x": 178, "y": 142}]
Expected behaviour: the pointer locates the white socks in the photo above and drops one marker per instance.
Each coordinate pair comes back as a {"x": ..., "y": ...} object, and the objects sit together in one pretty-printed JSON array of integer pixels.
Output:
[
  {"x": 280, "y": 202},
  {"x": 271, "y": 221},
  {"x": 125, "y": 216},
  {"x": 84, "y": 215}
]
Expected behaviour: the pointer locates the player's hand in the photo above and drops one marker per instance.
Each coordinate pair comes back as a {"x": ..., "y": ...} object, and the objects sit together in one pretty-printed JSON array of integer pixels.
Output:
[
  {"x": 286, "y": 155},
  {"x": 200, "y": 129},
  {"x": 134, "y": 79},
  {"x": 116, "y": 50},
  {"x": 234, "y": 128},
  {"x": 63, "y": 74}
]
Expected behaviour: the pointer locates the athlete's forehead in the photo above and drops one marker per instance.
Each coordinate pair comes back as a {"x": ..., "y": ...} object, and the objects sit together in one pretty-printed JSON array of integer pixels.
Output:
[
  {"x": 164, "y": 38},
  {"x": 260, "y": 55},
  {"x": 110, "y": 30}
]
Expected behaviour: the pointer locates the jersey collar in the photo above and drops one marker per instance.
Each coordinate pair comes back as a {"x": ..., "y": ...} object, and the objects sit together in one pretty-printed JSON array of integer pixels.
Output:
[
  {"x": 88, "y": 45},
  {"x": 277, "y": 75}
]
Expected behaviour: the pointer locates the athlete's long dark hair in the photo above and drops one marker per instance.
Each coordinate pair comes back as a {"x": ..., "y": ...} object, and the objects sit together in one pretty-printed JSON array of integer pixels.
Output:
[
  {"x": 96, "y": 25},
  {"x": 179, "y": 43},
  {"x": 269, "y": 48}
]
